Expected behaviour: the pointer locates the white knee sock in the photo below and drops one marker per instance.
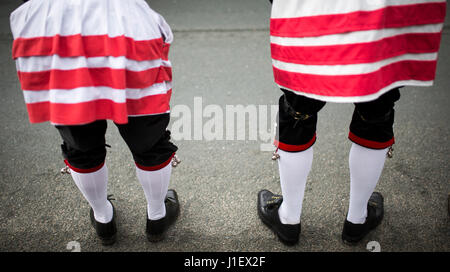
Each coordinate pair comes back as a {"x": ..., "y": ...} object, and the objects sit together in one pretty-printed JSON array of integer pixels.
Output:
[
  {"x": 294, "y": 169},
  {"x": 366, "y": 166},
  {"x": 155, "y": 185},
  {"x": 93, "y": 186}
]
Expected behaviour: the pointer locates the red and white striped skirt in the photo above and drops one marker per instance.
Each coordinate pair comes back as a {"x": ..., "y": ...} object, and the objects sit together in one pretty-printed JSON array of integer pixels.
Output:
[
  {"x": 80, "y": 60},
  {"x": 354, "y": 50}
]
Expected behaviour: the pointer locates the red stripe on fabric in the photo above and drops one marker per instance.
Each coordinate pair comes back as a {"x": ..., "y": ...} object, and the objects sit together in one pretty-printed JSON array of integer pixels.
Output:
[
  {"x": 89, "y": 46},
  {"x": 87, "y": 112},
  {"x": 84, "y": 171},
  {"x": 388, "y": 17},
  {"x": 93, "y": 77},
  {"x": 356, "y": 85},
  {"x": 295, "y": 148},
  {"x": 156, "y": 167},
  {"x": 364, "y": 52},
  {"x": 165, "y": 51},
  {"x": 369, "y": 143},
  {"x": 152, "y": 104}
]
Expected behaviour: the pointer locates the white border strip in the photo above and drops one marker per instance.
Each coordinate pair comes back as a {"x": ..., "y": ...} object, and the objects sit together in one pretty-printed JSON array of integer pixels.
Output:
[
  {"x": 356, "y": 36},
  {"x": 350, "y": 69},
  {"x": 302, "y": 8},
  {"x": 55, "y": 62},
  {"x": 87, "y": 94}
]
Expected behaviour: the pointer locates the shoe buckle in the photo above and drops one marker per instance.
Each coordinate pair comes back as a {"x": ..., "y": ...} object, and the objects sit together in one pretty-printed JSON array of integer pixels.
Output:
[{"x": 275, "y": 200}]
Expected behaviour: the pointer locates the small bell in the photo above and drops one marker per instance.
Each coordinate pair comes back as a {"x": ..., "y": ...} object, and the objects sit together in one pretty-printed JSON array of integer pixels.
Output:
[
  {"x": 65, "y": 170},
  {"x": 175, "y": 161},
  {"x": 275, "y": 155},
  {"x": 390, "y": 152}
]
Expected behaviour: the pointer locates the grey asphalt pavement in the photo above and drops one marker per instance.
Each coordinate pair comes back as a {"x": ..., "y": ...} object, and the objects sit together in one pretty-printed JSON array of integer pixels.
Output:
[{"x": 221, "y": 55}]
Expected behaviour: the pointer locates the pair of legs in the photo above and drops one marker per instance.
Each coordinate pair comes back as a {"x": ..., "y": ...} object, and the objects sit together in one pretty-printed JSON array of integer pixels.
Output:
[
  {"x": 149, "y": 142},
  {"x": 371, "y": 132}
]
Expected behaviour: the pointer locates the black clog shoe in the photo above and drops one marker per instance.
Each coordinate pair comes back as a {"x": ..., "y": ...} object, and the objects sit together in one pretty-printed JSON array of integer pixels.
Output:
[
  {"x": 106, "y": 232},
  {"x": 156, "y": 229},
  {"x": 353, "y": 233},
  {"x": 268, "y": 205}
]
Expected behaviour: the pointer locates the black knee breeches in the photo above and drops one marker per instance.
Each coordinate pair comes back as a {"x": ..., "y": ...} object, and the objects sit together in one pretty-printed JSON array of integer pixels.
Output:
[
  {"x": 371, "y": 125},
  {"x": 146, "y": 136}
]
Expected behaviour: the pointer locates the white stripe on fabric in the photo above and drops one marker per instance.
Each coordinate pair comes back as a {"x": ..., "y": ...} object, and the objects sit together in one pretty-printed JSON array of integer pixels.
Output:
[
  {"x": 86, "y": 94},
  {"x": 367, "y": 98},
  {"x": 302, "y": 8},
  {"x": 349, "y": 69},
  {"x": 114, "y": 18},
  {"x": 45, "y": 63},
  {"x": 356, "y": 36}
]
